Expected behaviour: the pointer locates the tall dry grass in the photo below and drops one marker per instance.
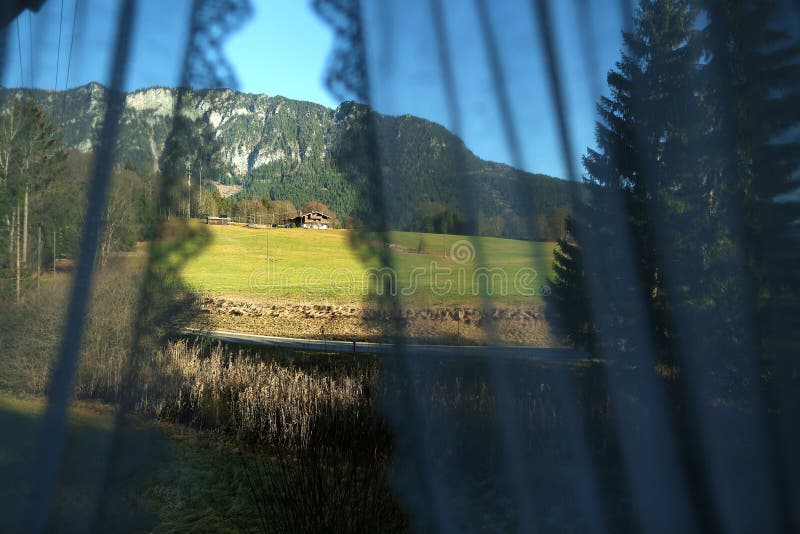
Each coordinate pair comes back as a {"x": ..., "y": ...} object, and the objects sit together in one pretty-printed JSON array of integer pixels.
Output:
[
  {"x": 263, "y": 397},
  {"x": 316, "y": 414},
  {"x": 265, "y": 401},
  {"x": 324, "y": 416},
  {"x": 245, "y": 394}
]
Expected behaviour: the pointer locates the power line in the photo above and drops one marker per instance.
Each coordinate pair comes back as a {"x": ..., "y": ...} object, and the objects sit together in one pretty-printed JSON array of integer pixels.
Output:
[
  {"x": 19, "y": 49},
  {"x": 58, "y": 50},
  {"x": 72, "y": 40},
  {"x": 30, "y": 46},
  {"x": 69, "y": 59}
]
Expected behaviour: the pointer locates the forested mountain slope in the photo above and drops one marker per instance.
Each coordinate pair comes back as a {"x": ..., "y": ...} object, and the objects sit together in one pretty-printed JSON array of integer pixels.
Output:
[{"x": 301, "y": 151}]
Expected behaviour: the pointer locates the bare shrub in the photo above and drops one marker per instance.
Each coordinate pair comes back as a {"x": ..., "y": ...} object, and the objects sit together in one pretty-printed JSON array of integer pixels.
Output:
[
  {"x": 30, "y": 335},
  {"x": 324, "y": 490}
]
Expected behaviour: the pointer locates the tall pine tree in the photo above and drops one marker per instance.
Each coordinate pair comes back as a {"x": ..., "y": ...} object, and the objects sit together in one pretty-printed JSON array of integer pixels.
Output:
[
  {"x": 694, "y": 174},
  {"x": 604, "y": 300},
  {"x": 756, "y": 154},
  {"x": 756, "y": 114}
]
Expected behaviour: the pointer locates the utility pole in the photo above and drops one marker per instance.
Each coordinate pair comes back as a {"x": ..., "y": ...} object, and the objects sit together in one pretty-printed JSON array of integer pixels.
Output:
[
  {"x": 39, "y": 257},
  {"x": 25, "y": 230},
  {"x": 54, "y": 252},
  {"x": 18, "y": 256},
  {"x": 189, "y": 202},
  {"x": 11, "y": 235}
]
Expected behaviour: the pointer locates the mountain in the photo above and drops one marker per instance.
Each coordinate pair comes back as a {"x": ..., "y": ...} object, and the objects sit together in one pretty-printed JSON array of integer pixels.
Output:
[{"x": 301, "y": 151}]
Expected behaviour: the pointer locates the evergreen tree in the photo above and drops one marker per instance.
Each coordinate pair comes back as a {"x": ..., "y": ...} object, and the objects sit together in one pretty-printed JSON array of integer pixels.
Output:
[
  {"x": 570, "y": 311},
  {"x": 638, "y": 179},
  {"x": 695, "y": 166},
  {"x": 756, "y": 156}
]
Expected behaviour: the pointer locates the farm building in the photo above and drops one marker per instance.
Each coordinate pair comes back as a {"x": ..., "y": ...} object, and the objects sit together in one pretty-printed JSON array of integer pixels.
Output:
[
  {"x": 222, "y": 219},
  {"x": 312, "y": 219}
]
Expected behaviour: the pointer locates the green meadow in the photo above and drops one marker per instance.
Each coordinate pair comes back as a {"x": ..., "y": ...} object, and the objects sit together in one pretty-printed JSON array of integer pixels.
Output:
[
  {"x": 159, "y": 478},
  {"x": 83, "y": 474},
  {"x": 341, "y": 266}
]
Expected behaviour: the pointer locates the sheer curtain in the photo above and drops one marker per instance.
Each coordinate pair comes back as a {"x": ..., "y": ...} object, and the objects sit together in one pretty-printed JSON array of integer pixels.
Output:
[{"x": 678, "y": 413}]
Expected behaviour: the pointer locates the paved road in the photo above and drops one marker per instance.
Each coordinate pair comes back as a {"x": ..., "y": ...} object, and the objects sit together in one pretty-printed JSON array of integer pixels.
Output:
[{"x": 514, "y": 352}]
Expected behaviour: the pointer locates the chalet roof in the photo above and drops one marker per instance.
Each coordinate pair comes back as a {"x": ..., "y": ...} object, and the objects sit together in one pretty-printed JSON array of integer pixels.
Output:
[{"x": 315, "y": 212}]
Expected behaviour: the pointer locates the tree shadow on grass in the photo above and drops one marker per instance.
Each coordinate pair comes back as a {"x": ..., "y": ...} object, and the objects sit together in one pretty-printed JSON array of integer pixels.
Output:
[{"x": 87, "y": 447}]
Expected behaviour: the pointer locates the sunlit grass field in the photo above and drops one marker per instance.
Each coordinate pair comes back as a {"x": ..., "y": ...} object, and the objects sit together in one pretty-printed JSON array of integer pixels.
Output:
[{"x": 341, "y": 266}]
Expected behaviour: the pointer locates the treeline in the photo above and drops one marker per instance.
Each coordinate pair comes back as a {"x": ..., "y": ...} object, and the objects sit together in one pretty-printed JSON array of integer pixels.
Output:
[
  {"x": 687, "y": 249},
  {"x": 43, "y": 192},
  {"x": 258, "y": 210}
]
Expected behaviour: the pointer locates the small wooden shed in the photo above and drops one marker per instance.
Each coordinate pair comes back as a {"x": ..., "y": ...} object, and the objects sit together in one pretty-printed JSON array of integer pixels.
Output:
[{"x": 222, "y": 219}]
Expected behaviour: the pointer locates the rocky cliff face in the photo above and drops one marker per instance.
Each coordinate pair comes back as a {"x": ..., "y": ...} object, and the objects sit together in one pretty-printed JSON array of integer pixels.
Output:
[
  {"x": 298, "y": 150},
  {"x": 250, "y": 129}
]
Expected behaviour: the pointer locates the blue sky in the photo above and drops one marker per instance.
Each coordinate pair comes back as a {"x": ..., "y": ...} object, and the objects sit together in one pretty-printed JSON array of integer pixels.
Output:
[{"x": 283, "y": 49}]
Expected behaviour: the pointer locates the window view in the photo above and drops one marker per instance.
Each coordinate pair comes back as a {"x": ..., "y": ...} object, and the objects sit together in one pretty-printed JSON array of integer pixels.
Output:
[{"x": 420, "y": 265}]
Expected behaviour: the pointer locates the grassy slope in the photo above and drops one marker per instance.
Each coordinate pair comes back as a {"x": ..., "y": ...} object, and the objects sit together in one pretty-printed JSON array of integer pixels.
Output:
[
  {"x": 318, "y": 265},
  {"x": 82, "y": 476},
  {"x": 160, "y": 481}
]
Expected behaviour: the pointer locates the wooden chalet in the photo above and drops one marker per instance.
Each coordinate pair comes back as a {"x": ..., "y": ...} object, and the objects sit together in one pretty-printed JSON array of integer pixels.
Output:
[{"x": 312, "y": 219}]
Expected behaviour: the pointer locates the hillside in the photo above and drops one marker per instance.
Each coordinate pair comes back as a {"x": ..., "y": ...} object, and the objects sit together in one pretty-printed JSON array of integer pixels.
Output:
[
  {"x": 447, "y": 296},
  {"x": 234, "y": 265},
  {"x": 301, "y": 151}
]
